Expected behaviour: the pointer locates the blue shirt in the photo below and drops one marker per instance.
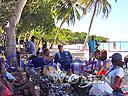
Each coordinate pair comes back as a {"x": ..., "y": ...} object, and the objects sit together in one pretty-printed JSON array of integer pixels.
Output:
[
  {"x": 64, "y": 58},
  {"x": 38, "y": 62},
  {"x": 9, "y": 76},
  {"x": 31, "y": 47},
  {"x": 92, "y": 45}
]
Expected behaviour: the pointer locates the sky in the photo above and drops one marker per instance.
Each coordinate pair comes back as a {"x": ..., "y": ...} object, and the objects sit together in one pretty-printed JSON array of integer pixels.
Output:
[{"x": 115, "y": 27}]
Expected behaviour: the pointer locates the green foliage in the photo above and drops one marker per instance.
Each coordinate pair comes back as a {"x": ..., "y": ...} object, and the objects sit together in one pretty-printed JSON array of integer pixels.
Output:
[
  {"x": 66, "y": 36},
  {"x": 38, "y": 17},
  {"x": 6, "y": 9},
  {"x": 102, "y": 6},
  {"x": 50, "y": 36},
  {"x": 37, "y": 14},
  {"x": 66, "y": 11},
  {"x": 102, "y": 39},
  {"x": 2, "y": 36}
]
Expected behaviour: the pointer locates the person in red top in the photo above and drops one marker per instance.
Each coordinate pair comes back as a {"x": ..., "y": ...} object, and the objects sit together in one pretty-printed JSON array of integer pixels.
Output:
[
  {"x": 4, "y": 91},
  {"x": 7, "y": 91}
]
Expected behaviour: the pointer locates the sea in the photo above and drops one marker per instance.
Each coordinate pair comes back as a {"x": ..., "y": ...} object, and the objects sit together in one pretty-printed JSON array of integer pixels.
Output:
[
  {"x": 109, "y": 46},
  {"x": 115, "y": 46}
]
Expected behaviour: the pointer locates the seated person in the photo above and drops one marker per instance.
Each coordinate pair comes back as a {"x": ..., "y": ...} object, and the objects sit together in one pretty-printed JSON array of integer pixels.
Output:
[
  {"x": 31, "y": 47},
  {"x": 104, "y": 63},
  {"x": 23, "y": 83},
  {"x": 116, "y": 74},
  {"x": 101, "y": 55},
  {"x": 64, "y": 58},
  {"x": 98, "y": 67},
  {"x": 16, "y": 80},
  {"x": 4, "y": 91},
  {"x": 5, "y": 86},
  {"x": 37, "y": 61},
  {"x": 113, "y": 78},
  {"x": 4, "y": 75},
  {"x": 48, "y": 59}
]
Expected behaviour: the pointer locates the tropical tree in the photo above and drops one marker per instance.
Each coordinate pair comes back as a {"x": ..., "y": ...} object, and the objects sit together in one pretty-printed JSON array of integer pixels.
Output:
[
  {"x": 97, "y": 6},
  {"x": 6, "y": 8},
  {"x": 11, "y": 28},
  {"x": 94, "y": 6},
  {"x": 37, "y": 15},
  {"x": 65, "y": 11}
]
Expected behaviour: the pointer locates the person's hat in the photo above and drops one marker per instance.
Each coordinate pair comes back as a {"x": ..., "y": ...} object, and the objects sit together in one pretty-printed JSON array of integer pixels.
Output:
[
  {"x": 60, "y": 45},
  {"x": 116, "y": 57}
]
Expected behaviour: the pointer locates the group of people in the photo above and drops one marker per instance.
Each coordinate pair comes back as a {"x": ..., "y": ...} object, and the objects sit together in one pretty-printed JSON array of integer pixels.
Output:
[
  {"x": 12, "y": 82},
  {"x": 115, "y": 75},
  {"x": 62, "y": 57},
  {"x": 41, "y": 57},
  {"x": 30, "y": 46}
]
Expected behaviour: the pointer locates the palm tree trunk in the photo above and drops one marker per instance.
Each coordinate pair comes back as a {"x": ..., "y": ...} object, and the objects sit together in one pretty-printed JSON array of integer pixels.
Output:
[
  {"x": 51, "y": 46},
  {"x": 11, "y": 29},
  {"x": 89, "y": 29}
]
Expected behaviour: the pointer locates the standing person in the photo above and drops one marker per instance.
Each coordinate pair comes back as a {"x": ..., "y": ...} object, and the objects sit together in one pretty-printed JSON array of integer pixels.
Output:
[
  {"x": 93, "y": 46},
  {"x": 43, "y": 46},
  {"x": 26, "y": 45},
  {"x": 126, "y": 61},
  {"x": 31, "y": 46},
  {"x": 114, "y": 45},
  {"x": 44, "y": 43},
  {"x": 64, "y": 58}
]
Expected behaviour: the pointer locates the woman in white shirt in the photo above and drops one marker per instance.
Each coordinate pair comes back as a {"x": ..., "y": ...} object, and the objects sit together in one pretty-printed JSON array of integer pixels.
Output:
[
  {"x": 115, "y": 76},
  {"x": 113, "y": 79}
]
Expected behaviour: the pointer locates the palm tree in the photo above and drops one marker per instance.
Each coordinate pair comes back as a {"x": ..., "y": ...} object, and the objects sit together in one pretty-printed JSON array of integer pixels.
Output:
[
  {"x": 66, "y": 8},
  {"x": 66, "y": 11},
  {"x": 98, "y": 6}
]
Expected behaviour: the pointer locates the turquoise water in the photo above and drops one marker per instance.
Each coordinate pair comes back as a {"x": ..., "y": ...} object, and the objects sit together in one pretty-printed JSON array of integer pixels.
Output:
[{"x": 119, "y": 46}]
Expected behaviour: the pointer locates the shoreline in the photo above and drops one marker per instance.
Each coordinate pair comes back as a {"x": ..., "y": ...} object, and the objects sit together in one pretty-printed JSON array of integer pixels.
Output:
[{"x": 78, "y": 53}]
